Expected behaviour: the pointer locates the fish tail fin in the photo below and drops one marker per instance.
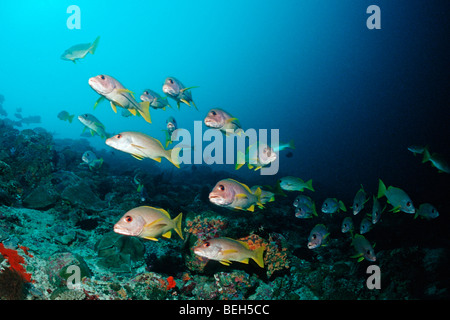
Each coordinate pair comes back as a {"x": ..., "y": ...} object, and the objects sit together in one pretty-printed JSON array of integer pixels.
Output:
[
  {"x": 173, "y": 155},
  {"x": 426, "y": 155},
  {"x": 258, "y": 193},
  {"x": 342, "y": 206},
  {"x": 94, "y": 45},
  {"x": 309, "y": 185},
  {"x": 177, "y": 221},
  {"x": 381, "y": 189},
  {"x": 240, "y": 160},
  {"x": 144, "y": 111},
  {"x": 259, "y": 256},
  {"x": 291, "y": 144}
]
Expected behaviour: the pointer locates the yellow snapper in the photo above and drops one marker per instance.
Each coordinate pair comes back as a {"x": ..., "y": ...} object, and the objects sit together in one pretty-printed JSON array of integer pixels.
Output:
[
  {"x": 95, "y": 126},
  {"x": 317, "y": 236},
  {"x": 222, "y": 120},
  {"x": 290, "y": 183},
  {"x": 226, "y": 250},
  {"x": 141, "y": 146},
  {"x": 266, "y": 196},
  {"x": 363, "y": 248},
  {"x": 427, "y": 211},
  {"x": 396, "y": 197},
  {"x": 80, "y": 51},
  {"x": 155, "y": 100},
  {"x": 112, "y": 90},
  {"x": 232, "y": 194},
  {"x": 148, "y": 223},
  {"x": 359, "y": 200},
  {"x": 256, "y": 158},
  {"x": 177, "y": 91},
  {"x": 65, "y": 116},
  {"x": 437, "y": 160}
]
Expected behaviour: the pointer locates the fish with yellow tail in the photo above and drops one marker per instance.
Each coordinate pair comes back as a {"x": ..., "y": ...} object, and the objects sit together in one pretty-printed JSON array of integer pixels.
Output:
[
  {"x": 111, "y": 89},
  {"x": 396, "y": 197},
  {"x": 437, "y": 161},
  {"x": 149, "y": 223},
  {"x": 318, "y": 236},
  {"x": 223, "y": 121},
  {"x": 155, "y": 100},
  {"x": 363, "y": 248},
  {"x": 232, "y": 194},
  {"x": 226, "y": 250},
  {"x": 290, "y": 183},
  {"x": 177, "y": 91},
  {"x": 79, "y": 51},
  {"x": 141, "y": 146}
]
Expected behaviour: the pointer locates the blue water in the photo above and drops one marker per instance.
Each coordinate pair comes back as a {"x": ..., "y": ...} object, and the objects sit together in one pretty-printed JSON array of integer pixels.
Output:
[{"x": 351, "y": 98}]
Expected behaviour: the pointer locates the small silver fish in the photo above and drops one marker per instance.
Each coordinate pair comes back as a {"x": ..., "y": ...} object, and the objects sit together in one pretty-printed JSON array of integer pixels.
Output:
[
  {"x": 359, "y": 201},
  {"x": 177, "y": 91},
  {"x": 427, "y": 211},
  {"x": 347, "y": 225}
]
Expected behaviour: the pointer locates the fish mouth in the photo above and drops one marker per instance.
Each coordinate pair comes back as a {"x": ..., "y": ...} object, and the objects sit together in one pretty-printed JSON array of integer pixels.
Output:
[
  {"x": 120, "y": 230},
  {"x": 211, "y": 123},
  {"x": 218, "y": 200}
]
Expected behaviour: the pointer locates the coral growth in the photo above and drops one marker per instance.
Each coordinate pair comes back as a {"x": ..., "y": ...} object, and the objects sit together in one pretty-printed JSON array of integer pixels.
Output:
[{"x": 16, "y": 261}]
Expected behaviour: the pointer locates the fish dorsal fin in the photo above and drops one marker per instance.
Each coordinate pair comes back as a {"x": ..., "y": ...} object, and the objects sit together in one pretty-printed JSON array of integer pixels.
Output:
[{"x": 164, "y": 212}]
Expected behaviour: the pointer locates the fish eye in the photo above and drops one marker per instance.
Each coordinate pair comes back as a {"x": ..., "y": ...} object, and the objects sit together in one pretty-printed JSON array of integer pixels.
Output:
[
  {"x": 171, "y": 81},
  {"x": 345, "y": 225},
  {"x": 221, "y": 187},
  {"x": 145, "y": 92},
  {"x": 102, "y": 77},
  {"x": 325, "y": 204},
  {"x": 408, "y": 204},
  {"x": 119, "y": 136},
  {"x": 213, "y": 113},
  {"x": 206, "y": 244},
  {"x": 313, "y": 236},
  {"x": 368, "y": 252},
  {"x": 356, "y": 205},
  {"x": 128, "y": 218}
]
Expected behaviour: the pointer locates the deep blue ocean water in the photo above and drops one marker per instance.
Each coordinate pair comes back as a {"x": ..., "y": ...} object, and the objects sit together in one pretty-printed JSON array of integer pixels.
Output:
[{"x": 352, "y": 99}]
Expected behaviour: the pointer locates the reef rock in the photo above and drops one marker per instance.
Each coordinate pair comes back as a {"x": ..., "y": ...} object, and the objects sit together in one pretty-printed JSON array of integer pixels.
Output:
[
  {"x": 81, "y": 195},
  {"x": 43, "y": 196}
]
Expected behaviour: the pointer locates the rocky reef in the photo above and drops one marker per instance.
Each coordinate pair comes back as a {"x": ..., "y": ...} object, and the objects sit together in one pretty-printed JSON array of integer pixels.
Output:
[{"x": 57, "y": 214}]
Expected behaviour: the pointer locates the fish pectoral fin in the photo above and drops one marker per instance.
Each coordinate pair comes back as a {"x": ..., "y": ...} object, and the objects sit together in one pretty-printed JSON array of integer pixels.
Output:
[
  {"x": 225, "y": 262},
  {"x": 356, "y": 256},
  {"x": 98, "y": 100},
  {"x": 125, "y": 91},
  {"x": 136, "y": 156},
  {"x": 241, "y": 196},
  {"x": 360, "y": 259},
  {"x": 167, "y": 235},
  {"x": 395, "y": 209},
  {"x": 229, "y": 251},
  {"x": 137, "y": 146},
  {"x": 113, "y": 106}
]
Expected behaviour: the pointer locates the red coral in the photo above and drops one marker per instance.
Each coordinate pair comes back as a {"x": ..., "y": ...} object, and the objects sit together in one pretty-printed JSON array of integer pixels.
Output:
[
  {"x": 171, "y": 283},
  {"x": 15, "y": 261}
]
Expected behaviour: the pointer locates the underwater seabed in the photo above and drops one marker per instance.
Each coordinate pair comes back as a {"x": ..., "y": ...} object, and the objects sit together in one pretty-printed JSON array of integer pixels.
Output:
[{"x": 56, "y": 214}]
